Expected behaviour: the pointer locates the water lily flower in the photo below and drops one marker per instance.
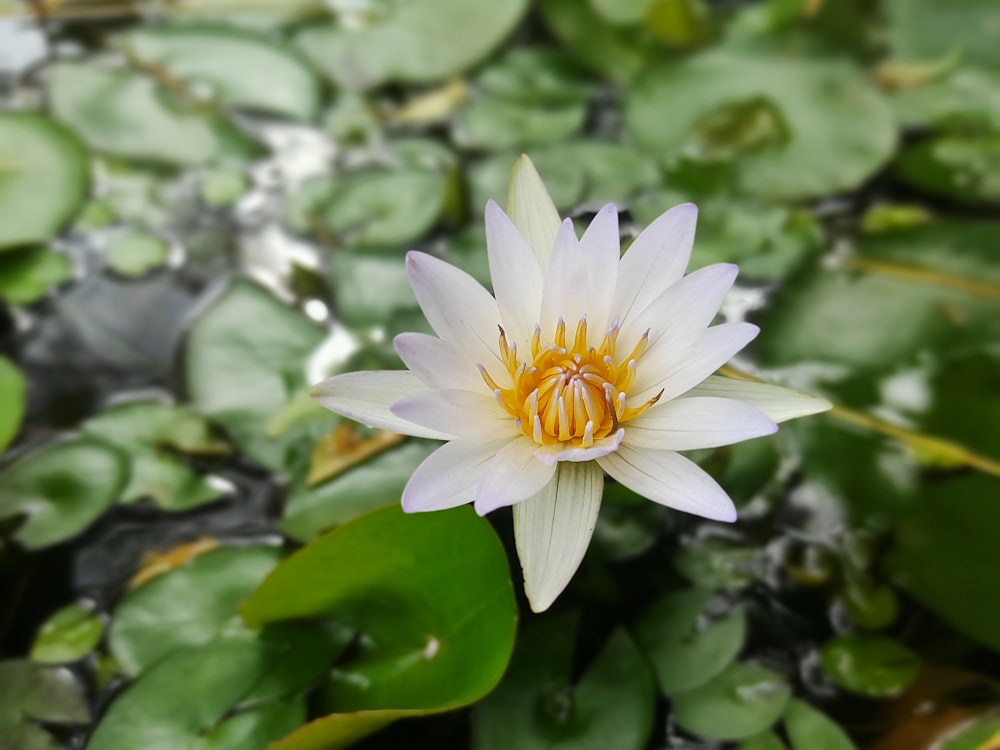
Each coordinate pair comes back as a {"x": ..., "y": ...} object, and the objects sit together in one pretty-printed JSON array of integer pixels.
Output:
[{"x": 584, "y": 362}]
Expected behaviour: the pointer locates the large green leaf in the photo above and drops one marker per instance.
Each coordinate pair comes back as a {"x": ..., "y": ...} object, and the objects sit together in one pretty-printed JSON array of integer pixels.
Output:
[
  {"x": 409, "y": 42},
  {"x": 809, "y": 729},
  {"x": 31, "y": 692},
  {"x": 242, "y": 68},
  {"x": 930, "y": 30},
  {"x": 12, "y": 395},
  {"x": 68, "y": 635},
  {"x": 187, "y": 606},
  {"x": 433, "y": 596},
  {"x": 246, "y": 357},
  {"x": 27, "y": 274},
  {"x": 129, "y": 115},
  {"x": 60, "y": 489},
  {"x": 537, "y": 705},
  {"x": 873, "y": 665},
  {"x": 44, "y": 177},
  {"x": 790, "y": 131},
  {"x": 963, "y": 169}
]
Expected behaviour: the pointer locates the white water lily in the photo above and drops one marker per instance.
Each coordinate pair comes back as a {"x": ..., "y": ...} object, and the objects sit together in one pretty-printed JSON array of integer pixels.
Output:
[{"x": 585, "y": 362}]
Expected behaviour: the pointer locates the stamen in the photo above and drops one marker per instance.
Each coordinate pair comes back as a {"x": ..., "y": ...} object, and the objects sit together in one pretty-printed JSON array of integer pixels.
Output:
[
  {"x": 580, "y": 341},
  {"x": 588, "y": 434}
]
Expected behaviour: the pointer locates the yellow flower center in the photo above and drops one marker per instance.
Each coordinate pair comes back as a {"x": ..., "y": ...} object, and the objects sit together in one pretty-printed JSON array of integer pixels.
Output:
[{"x": 572, "y": 394}]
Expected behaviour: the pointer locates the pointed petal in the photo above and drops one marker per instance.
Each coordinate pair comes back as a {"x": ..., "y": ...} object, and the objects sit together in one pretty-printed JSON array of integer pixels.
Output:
[
  {"x": 456, "y": 305},
  {"x": 705, "y": 422},
  {"x": 564, "y": 289},
  {"x": 780, "y": 404},
  {"x": 676, "y": 371},
  {"x": 669, "y": 479},
  {"x": 450, "y": 475},
  {"x": 517, "y": 277},
  {"x": 443, "y": 364},
  {"x": 683, "y": 310},
  {"x": 551, "y": 454},
  {"x": 553, "y": 529},
  {"x": 600, "y": 248},
  {"x": 467, "y": 414},
  {"x": 514, "y": 475},
  {"x": 655, "y": 260},
  {"x": 366, "y": 397},
  {"x": 531, "y": 209}
]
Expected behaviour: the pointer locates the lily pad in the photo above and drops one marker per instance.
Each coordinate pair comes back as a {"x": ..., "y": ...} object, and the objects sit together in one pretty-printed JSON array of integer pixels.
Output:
[
  {"x": 963, "y": 169},
  {"x": 32, "y": 692},
  {"x": 628, "y": 524},
  {"x": 12, "y": 396},
  {"x": 134, "y": 253},
  {"x": 126, "y": 114},
  {"x": 809, "y": 729},
  {"x": 873, "y": 665},
  {"x": 433, "y": 597},
  {"x": 370, "y": 287},
  {"x": 928, "y": 30},
  {"x": 240, "y": 67},
  {"x": 246, "y": 357},
  {"x": 60, "y": 489},
  {"x": 790, "y": 132},
  {"x": 538, "y": 706},
  {"x": 68, "y": 635},
  {"x": 740, "y": 702},
  {"x": 44, "y": 178},
  {"x": 967, "y": 99},
  {"x": 495, "y": 124},
  {"x": 187, "y": 606},
  {"x": 27, "y": 275},
  {"x": 536, "y": 75},
  {"x": 409, "y": 42},
  {"x": 685, "y": 650}
]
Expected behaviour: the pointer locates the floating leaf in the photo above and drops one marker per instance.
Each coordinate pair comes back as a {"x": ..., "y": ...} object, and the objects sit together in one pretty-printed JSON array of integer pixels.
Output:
[
  {"x": 495, "y": 124},
  {"x": 628, "y": 525},
  {"x": 68, "y": 635},
  {"x": 963, "y": 169},
  {"x": 27, "y": 275},
  {"x": 240, "y": 67},
  {"x": 60, "y": 489},
  {"x": 872, "y": 665},
  {"x": 740, "y": 702},
  {"x": 32, "y": 692},
  {"x": 789, "y": 131},
  {"x": 409, "y": 42},
  {"x": 536, "y": 75},
  {"x": 809, "y": 729},
  {"x": 928, "y": 30},
  {"x": 134, "y": 253},
  {"x": 370, "y": 287},
  {"x": 187, "y": 606},
  {"x": 965, "y": 100},
  {"x": 12, "y": 396},
  {"x": 685, "y": 650},
  {"x": 764, "y": 741}
]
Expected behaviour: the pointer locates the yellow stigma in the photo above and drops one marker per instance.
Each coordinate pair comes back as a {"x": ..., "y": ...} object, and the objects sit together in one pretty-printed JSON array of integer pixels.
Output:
[{"x": 572, "y": 394}]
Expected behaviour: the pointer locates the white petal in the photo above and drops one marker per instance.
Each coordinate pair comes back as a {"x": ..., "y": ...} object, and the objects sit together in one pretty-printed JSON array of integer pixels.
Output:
[
  {"x": 669, "y": 479},
  {"x": 564, "y": 290},
  {"x": 516, "y": 275},
  {"x": 467, "y": 414},
  {"x": 450, "y": 475},
  {"x": 780, "y": 404},
  {"x": 551, "y": 454},
  {"x": 366, "y": 397},
  {"x": 690, "y": 423},
  {"x": 600, "y": 248},
  {"x": 676, "y": 371},
  {"x": 531, "y": 209},
  {"x": 443, "y": 364},
  {"x": 553, "y": 529},
  {"x": 514, "y": 475},
  {"x": 655, "y": 260},
  {"x": 683, "y": 310},
  {"x": 456, "y": 305}
]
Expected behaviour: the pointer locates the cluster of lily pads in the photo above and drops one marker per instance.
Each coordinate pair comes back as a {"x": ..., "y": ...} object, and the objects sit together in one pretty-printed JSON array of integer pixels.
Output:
[{"x": 204, "y": 207}]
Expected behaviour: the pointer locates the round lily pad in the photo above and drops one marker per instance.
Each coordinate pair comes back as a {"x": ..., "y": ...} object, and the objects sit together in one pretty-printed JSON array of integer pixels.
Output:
[
  {"x": 929, "y": 30},
  {"x": 809, "y": 729},
  {"x": 740, "y": 702},
  {"x": 964, "y": 169},
  {"x": 68, "y": 635},
  {"x": 60, "y": 489},
  {"x": 494, "y": 124},
  {"x": 135, "y": 253},
  {"x": 30, "y": 691},
  {"x": 12, "y": 395},
  {"x": 790, "y": 132},
  {"x": 44, "y": 177},
  {"x": 872, "y": 665}
]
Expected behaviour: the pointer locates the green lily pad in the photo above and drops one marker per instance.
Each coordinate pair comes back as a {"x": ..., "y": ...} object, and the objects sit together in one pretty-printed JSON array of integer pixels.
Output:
[
  {"x": 763, "y": 741},
  {"x": 685, "y": 653},
  {"x": 240, "y": 67},
  {"x": 374, "y": 484},
  {"x": 965, "y": 100},
  {"x": 433, "y": 596},
  {"x": 495, "y": 124},
  {"x": 789, "y": 132},
  {"x": 872, "y": 665},
  {"x": 740, "y": 702},
  {"x": 928, "y": 30},
  {"x": 152, "y": 434},
  {"x": 68, "y": 635},
  {"x": 27, "y": 275},
  {"x": 202, "y": 698},
  {"x": 975, "y": 735},
  {"x": 409, "y": 42},
  {"x": 134, "y": 253},
  {"x": 809, "y": 729},
  {"x": 187, "y": 606},
  {"x": 36, "y": 692},
  {"x": 44, "y": 178},
  {"x": 12, "y": 395},
  {"x": 536, "y": 75},
  {"x": 223, "y": 187},
  {"x": 128, "y": 115},
  {"x": 538, "y": 706},
  {"x": 370, "y": 287},
  {"x": 717, "y": 564},
  {"x": 628, "y": 524},
  {"x": 963, "y": 169},
  {"x": 60, "y": 489},
  {"x": 245, "y": 359},
  {"x": 945, "y": 550}
]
